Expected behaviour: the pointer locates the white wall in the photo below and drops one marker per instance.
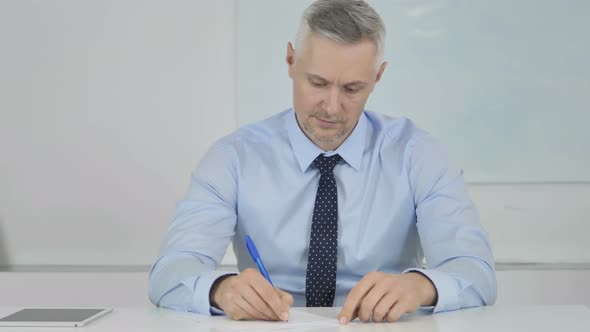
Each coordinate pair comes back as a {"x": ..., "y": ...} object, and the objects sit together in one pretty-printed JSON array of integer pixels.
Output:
[
  {"x": 105, "y": 108},
  {"x": 536, "y": 222}
]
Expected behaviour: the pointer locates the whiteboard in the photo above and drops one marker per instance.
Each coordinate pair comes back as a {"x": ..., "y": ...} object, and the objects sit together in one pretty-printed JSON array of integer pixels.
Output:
[{"x": 505, "y": 85}]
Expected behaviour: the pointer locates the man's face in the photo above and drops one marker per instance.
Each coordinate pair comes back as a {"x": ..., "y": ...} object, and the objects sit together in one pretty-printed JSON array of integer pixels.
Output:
[{"x": 331, "y": 84}]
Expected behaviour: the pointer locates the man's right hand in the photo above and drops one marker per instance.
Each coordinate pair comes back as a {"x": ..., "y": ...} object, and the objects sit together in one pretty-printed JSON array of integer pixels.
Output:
[{"x": 248, "y": 296}]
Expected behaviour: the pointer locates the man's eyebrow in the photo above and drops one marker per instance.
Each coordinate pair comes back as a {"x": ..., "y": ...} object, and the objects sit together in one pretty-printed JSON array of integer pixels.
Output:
[
  {"x": 316, "y": 77},
  {"x": 356, "y": 83},
  {"x": 349, "y": 84}
]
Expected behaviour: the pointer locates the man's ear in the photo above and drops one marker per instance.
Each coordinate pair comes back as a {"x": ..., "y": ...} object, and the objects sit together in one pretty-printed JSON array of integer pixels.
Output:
[
  {"x": 291, "y": 59},
  {"x": 380, "y": 72}
]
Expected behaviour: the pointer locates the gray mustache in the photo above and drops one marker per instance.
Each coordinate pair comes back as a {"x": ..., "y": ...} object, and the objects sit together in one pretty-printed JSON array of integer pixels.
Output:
[{"x": 326, "y": 117}]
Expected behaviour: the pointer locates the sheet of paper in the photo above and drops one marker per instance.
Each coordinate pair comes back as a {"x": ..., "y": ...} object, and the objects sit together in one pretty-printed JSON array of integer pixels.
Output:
[{"x": 297, "y": 320}]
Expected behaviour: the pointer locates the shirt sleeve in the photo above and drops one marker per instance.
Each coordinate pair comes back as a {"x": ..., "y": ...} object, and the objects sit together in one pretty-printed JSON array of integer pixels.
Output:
[
  {"x": 456, "y": 247},
  {"x": 198, "y": 236}
]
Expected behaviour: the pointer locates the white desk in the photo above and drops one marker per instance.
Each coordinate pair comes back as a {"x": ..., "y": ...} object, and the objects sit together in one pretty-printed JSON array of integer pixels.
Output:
[{"x": 492, "y": 319}]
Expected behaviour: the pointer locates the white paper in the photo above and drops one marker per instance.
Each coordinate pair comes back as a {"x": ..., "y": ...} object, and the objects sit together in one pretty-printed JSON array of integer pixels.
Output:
[{"x": 297, "y": 320}]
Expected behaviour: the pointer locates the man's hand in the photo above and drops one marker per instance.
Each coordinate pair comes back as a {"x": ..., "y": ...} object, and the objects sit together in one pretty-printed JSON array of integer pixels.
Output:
[
  {"x": 382, "y": 296},
  {"x": 249, "y": 296}
]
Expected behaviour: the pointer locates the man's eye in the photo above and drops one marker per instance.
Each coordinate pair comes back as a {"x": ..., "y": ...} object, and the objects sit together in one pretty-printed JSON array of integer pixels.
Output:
[
  {"x": 351, "y": 90},
  {"x": 318, "y": 84}
]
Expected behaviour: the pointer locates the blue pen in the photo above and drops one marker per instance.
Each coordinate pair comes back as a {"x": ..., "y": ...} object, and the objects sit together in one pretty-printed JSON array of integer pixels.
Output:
[{"x": 256, "y": 258}]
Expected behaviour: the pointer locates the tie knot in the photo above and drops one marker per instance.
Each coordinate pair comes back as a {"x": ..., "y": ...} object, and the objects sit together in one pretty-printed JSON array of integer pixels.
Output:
[{"x": 327, "y": 164}]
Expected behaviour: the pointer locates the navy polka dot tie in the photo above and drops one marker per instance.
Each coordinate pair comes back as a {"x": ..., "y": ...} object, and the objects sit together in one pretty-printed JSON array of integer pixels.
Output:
[{"x": 320, "y": 281}]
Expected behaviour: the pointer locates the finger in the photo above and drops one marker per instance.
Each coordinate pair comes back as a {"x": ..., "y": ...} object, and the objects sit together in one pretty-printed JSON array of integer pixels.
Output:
[
  {"x": 355, "y": 297},
  {"x": 236, "y": 313},
  {"x": 269, "y": 295},
  {"x": 355, "y": 314},
  {"x": 251, "y": 312},
  {"x": 343, "y": 320},
  {"x": 263, "y": 309},
  {"x": 369, "y": 302},
  {"x": 396, "y": 312},
  {"x": 286, "y": 297},
  {"x": 384, "y": 306}
]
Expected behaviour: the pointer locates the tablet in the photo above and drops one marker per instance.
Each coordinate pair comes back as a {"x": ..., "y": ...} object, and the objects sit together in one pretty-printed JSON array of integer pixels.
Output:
[{"x": 54, "y": 316}]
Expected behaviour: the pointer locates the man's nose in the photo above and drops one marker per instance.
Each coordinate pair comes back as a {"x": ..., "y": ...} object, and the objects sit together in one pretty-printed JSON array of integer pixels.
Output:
[{"x": 333, "y": 102}]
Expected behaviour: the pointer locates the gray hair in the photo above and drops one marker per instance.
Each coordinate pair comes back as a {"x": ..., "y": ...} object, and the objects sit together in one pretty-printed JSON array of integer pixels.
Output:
[{"x": 343, "y": 21}]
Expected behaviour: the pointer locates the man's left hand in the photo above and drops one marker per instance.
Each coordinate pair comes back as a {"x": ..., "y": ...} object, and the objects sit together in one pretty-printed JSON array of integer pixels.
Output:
[{"x": 382, "y": 296}]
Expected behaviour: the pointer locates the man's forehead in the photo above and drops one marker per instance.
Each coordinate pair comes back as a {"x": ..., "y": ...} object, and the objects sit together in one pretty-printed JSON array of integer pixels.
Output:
[
  {"x": 324, "y": 57},
  {"x": 317, "y": 44}
]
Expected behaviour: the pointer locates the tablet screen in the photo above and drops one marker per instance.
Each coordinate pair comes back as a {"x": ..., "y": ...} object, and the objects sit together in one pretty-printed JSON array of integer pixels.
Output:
[{"x": 51, "y": 315}]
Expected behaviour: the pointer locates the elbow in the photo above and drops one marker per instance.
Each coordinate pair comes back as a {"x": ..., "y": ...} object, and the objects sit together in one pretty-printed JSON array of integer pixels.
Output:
[
  {"x": 478, "y": 294},
  {"x": 487, "y": 288},
  {"x": 492, "y": 291},
  {"x": 483, "y": 286},
  {"x": 153, "y": 295},
  {"x": 153, "y": 299}
]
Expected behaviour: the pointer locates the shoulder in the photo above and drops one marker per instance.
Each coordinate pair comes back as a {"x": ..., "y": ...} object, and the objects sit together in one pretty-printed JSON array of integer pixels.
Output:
[
  {"x": 227, "y": 154},
  {"x": 256, "y": 136},
  {"x": 396, "y": 133}
]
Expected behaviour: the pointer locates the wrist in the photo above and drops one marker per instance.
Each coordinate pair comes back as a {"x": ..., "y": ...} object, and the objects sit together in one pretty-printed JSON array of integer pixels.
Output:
[
  {"x": 213, "y": 292},
  {"x": 425, "y": 287}
]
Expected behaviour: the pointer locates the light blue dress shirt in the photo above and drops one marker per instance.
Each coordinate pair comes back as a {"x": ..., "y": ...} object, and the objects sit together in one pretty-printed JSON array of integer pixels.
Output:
[{"x": 399, "y": 201}]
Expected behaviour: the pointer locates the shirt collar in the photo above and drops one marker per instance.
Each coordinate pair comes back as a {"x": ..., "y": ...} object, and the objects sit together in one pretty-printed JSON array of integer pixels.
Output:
[{"x": 351, "y": 150}]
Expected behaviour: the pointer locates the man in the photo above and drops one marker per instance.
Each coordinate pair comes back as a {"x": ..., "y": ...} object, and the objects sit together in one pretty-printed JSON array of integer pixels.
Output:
[{"x": 344, "y": 204}]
